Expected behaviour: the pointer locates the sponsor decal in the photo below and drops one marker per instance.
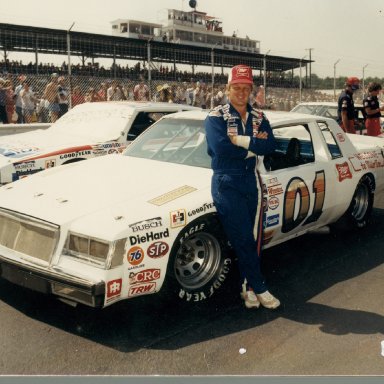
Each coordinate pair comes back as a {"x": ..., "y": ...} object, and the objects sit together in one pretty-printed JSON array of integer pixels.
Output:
[
  {"x": 142, "y": 289},
  {"x": 272, "y": 181},
  {"x": 178, "y": 218},
  {"x": 272, "y": 220},
  {"x": 268, "y": 236},
  {"x": 146, "y": 225},
  {"x": 135, "y": 255},
  {"x": 113, "y": 151},
  {"x": 157, "y": 249},
  {"x": 73, "y": 155},
  {"x": 25, "y": 165},
  {"x": 343, "y": 171},
  {"x": 50, "y": 163},
  {"x": 139, "y": 239},
  {"x": 273, "y": 202},
  {"x": 202, "y": 209},
  {"x": 144, "y": 276},
  {"x": 340, "y": 137},
  {"x": 275, "y": 190},
  {"x": 114, "y": 289},
  {"x": 172, "y": 195},
  {"x": 22, "y": 174}
]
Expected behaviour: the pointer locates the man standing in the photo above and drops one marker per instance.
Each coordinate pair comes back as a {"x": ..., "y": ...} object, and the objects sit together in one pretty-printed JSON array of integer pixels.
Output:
[
  {"x": 372, "y": 109},
  {"x": 345, "y": 106},
  {"x": 236, "y": 134}
]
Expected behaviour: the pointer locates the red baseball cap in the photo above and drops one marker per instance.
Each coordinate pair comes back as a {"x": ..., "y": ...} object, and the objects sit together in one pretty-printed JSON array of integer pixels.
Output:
[{"x": 240, "y": 74}]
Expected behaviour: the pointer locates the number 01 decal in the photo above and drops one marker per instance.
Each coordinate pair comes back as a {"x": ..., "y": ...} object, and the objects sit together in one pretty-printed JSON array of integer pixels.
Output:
[{"x": 297, "y": 188}]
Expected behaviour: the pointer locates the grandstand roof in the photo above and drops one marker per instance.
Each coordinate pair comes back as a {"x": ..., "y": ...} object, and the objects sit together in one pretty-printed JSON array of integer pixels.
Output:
[{"x": 19, "y": 38}]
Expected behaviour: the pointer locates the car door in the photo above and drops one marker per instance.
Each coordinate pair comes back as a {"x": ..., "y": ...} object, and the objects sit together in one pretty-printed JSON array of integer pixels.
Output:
[{"x": 297, "y": 183}]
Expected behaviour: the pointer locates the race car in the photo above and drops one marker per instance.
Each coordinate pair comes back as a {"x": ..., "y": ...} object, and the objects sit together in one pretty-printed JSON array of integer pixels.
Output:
[
  {"x": 120, "y": 227},
  {"x": 86, "y": 131}
]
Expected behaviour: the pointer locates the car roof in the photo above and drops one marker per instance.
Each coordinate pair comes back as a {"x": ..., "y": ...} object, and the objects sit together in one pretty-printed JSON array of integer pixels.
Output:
[
  {"x": 134, "y": 105},
  {"x": 275, "y": 117}
]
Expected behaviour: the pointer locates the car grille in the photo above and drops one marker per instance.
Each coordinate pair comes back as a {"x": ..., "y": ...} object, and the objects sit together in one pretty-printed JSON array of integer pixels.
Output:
[{"x": 29, "y": 236}]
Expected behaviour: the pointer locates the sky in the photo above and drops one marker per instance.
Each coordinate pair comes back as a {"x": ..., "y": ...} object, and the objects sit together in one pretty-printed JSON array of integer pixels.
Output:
[{"x": 345, "y": 36}]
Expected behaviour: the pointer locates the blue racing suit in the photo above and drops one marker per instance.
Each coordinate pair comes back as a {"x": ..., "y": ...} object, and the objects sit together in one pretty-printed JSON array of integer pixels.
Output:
[{"x": 236, "y": 186}]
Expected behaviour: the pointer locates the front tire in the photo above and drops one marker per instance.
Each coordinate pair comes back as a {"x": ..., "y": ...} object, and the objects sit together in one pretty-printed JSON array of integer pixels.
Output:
[{"x": 200, "y": 262}]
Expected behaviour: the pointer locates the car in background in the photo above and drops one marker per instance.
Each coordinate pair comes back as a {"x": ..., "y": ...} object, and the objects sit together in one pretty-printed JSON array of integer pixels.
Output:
[
  {"x": 329, "y": 109},
  {"x": 120, "y": 227},
  {"x": 88, "y": 130}
]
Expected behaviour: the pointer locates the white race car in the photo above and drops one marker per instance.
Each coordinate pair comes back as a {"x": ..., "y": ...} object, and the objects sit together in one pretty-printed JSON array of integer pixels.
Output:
[
  {"x": 88, "y": 130},
  {"x": 119, "y": 227}
]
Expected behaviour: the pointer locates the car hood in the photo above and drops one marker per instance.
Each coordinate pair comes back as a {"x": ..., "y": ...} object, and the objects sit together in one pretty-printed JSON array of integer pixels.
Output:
[
  {"x": 24, "y": 145},
  {"x": 112, "y": 185}
]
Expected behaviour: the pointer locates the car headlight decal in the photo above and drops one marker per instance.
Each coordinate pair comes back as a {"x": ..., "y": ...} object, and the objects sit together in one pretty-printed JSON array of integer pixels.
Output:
[{"x": 99, "y": 252}]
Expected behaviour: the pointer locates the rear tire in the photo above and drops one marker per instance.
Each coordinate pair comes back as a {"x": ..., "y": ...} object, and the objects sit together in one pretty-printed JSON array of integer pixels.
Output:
[{"x": 360, "y": 209}]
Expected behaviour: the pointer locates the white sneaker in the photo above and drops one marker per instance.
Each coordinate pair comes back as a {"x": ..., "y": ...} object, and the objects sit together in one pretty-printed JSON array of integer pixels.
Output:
[
  {"x": 250, "y": 299},
  {"x": 267, "y": 300}
]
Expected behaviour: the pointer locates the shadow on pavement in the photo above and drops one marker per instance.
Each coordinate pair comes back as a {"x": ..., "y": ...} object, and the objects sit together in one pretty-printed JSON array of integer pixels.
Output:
[{"x": 296, "y": 271}]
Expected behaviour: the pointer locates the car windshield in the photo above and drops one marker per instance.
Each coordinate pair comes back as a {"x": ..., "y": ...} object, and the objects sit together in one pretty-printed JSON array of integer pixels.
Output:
[
  {"x": 180, "y": 141},
  {"x": 103, "y": 123}
]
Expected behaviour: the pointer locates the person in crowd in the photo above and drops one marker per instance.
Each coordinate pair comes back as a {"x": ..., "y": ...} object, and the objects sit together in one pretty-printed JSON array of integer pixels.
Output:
[
  {"x": 63, "y": 96},
  {"x": 346, "y": 106},
  {"x": 141, "y": 91},
  {"x": 18, "y": 105},
  {"x": 92, "y": 96},
  {"x": 9, "y": 101},
  {"x": 52, "y": 98},
  {"x": 28, "y": 101},
  {"x": 115, "y": 92},
  {"x": 102, "y": 92},
  {"x": 77, "y": 97},
  {"x": 3, "y": 97},
  {"x": 165, "y": 94},
  {"x": 236, "y": 134},
  {"x": 372, "y": 109}
]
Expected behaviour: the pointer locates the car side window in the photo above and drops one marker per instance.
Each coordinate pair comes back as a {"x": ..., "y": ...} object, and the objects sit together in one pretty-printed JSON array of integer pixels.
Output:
[
  {"x": 294, "y": 148},
  {"x": 333, "y": 147},
  {"x": 142, "y": 121}
]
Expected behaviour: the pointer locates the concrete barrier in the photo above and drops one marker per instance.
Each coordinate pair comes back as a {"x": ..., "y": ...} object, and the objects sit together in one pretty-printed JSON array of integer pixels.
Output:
[{"x": 10, "y": 129}]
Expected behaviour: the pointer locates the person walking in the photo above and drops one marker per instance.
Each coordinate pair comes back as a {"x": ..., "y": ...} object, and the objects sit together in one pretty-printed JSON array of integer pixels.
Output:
[
  {"x": 372, "y": 109},
  {"x": 346, "y": 107},
  {"x": 236, "y": 133}
]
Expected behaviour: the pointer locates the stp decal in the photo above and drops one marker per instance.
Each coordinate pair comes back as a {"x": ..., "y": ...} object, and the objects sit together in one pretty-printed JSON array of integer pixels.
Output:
[{"x": 157, "y": 249}]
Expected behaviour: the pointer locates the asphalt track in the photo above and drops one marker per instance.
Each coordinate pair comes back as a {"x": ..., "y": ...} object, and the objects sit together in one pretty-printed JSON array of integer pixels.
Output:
[{"x": 331, "y": 321}]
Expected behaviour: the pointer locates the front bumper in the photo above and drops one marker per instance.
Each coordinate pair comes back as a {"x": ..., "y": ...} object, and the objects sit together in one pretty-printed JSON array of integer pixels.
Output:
[{"x": 53, "y": 282}]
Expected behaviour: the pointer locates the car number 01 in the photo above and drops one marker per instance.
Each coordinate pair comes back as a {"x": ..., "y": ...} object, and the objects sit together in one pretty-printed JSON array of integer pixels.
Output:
[{"x": 297, "y": 187}]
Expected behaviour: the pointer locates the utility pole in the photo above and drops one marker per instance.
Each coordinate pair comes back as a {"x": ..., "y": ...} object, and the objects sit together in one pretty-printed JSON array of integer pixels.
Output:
[
  {"x": 310, "y": 67},
  {"x": 334, "y": 79}
]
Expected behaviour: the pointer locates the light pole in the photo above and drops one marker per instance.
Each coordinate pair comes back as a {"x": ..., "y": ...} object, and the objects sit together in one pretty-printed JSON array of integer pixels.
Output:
[
  {"x": 301, "y": 86},
  {"x": 334, "y": 79},
  {"x": 310, "y": 66},
  {"x": 365, "y": 66},
  {"x": 69, "y": 65},
  {"x": 265, "y": 75},
  {"x": 213, "y": 72}
]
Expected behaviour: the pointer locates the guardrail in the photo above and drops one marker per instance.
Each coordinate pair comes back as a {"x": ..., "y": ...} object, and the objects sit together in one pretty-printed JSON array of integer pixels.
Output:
[{"x": 10, "y": 129}]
